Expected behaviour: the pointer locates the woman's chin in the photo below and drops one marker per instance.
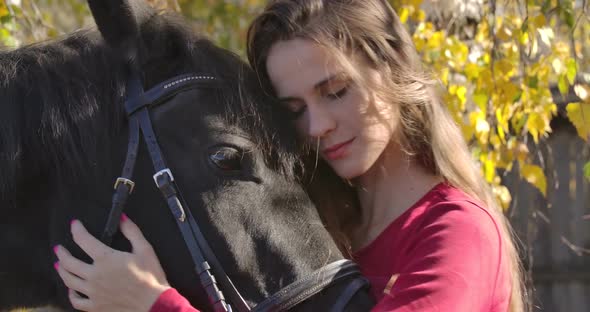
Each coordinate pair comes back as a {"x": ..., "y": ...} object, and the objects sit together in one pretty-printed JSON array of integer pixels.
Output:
[{"x": 347, "y": 169}]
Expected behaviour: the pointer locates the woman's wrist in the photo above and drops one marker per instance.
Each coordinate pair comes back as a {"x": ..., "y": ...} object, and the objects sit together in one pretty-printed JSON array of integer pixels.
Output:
[{"x": 152, "y": 294}]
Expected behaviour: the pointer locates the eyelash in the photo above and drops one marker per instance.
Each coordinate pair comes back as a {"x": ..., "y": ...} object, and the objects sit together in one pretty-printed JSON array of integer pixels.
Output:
[
  {"x": 298, "y": 113},
  {"x": 337, "y": 95},
  {"x": 333, "y": 96}
]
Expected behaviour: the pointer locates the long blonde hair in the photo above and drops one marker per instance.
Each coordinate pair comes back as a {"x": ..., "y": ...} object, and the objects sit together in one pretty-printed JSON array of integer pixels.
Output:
[{"x": 427, "y": 132}]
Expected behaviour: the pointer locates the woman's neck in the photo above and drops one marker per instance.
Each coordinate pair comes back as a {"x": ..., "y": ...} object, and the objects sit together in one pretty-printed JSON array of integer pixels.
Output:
[{"x": 387, "y": 190}]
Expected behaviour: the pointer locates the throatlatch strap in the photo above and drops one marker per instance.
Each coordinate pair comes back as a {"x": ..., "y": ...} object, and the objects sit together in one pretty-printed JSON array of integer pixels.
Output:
[
  {"x": 306, "y": 288},
  {"x": 345, "y": 297}
]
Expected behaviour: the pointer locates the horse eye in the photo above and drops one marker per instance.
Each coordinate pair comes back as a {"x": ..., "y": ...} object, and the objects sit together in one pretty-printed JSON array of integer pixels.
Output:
[{"x": 227, "y": 159}]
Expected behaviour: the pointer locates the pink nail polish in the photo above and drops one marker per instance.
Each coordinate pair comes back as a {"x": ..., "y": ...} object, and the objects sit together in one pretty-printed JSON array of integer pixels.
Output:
[
  {"x": 72, "y": 221},
  {"x": 56, "y": 265},
  {"x": 55, "y": 249},
  {"x": 124, "y": 217}
]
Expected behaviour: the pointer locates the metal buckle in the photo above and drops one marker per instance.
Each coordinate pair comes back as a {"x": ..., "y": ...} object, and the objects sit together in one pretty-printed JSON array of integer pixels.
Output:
[
  {"x": 124, "y": 181},
  {"x": 162, "y": 172}
]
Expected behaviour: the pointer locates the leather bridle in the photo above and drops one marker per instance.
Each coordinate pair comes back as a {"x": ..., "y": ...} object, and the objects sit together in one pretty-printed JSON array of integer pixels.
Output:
[{"x": 211, "y": 274}]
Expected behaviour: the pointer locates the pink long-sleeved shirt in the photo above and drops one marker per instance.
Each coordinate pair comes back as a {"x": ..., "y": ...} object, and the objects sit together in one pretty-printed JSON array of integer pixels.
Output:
[{"x": 442, "y": 254}]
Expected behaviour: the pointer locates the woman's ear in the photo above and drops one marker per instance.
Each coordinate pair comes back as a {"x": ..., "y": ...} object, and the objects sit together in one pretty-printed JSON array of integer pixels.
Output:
[{"x": 119, "y": 23}]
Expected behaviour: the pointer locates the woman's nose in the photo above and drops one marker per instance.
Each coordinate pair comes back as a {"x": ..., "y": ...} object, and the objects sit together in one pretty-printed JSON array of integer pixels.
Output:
[{"x": 321, "y": 122}]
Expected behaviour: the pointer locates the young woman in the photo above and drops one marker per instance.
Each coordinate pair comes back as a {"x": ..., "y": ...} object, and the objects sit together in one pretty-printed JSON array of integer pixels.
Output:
[{"x": 429, "y": 236}]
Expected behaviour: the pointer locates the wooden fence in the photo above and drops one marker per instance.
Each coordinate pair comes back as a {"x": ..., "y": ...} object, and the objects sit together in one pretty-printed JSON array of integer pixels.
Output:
[{"x": 555, "y": 231}]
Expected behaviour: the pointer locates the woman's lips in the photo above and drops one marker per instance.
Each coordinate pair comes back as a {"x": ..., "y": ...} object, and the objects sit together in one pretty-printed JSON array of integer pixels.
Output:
[{"x": 338, "y": 150}]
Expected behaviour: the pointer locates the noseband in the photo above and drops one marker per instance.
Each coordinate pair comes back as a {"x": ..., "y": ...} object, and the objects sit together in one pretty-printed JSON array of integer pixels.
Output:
[{"x": 211, "y": 274}]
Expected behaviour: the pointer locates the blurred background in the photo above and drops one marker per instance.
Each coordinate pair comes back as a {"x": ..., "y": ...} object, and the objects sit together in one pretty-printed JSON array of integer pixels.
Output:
[{"x": 516, "y": 77}]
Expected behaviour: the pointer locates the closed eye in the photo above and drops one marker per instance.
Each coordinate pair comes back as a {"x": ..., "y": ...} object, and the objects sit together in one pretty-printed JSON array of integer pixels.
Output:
[
  {"x": 296, "y": 107},
  {"x": 338, "y": 94},
  {"x": 297, "y": 113}
]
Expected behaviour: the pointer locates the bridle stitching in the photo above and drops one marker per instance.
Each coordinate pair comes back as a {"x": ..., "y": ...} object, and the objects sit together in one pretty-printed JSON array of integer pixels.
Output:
[{"x": 188, "y": 79}]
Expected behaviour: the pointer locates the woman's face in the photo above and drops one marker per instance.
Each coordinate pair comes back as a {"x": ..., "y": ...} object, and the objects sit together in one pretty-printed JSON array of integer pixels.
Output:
[{"x": 349, "y": 127}]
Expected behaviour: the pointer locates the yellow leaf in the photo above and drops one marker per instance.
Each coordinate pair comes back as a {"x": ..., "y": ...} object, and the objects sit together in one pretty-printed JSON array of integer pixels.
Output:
[
  {"x": 587, "y": 170},
  {"x": 419, "y": 16},
  {"x": 501, "y": 134},
  {"x": 444, "y": 76},
  {"x": 489, "y": 169},
  {"x": 571, "y": 70},
  {"x": 546, "y": 34},
  {"x": 557, "y": 66},
  {"x": 583, "y": 92},
  {"x": 486, "y": 58},
  {"x": 521, "y": 150},
  {"x": 502, "y": 123},
  {"x": 504, "y": 33},
  {"x": 563, "y": 85},
  {"x": 524, "y": 38},
  {"x": 508, "y": 90},
  {"x": 539, "y": 20},
  {"x": 505, "y": 67},
  {"x": 537, "y": 126},
  {"x": 579, "y": 115},
  {"x": 482, "y": 130},
  {"x": 415, "y": 3},
  {"x": 3, "y": 9},
  {"x": 403, "y": 15},
  {"x": 467, "y": 131},
  {"x": 535, "y": 176},
  {"x": 481, "y": 99},
  {"x": 503, "y": 195},
  {"x": 472, "y": 71},
  {"x": 461, "y": 92},
  {"x": 435, "y": 41},
  {"x": 495, "y": 140}
]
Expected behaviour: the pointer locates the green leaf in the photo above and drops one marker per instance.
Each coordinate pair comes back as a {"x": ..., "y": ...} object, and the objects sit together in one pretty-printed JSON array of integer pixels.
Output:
[
  {"x": 563, "y": 85},
  {"x": 569, "y": 19},
  {"x": 571, "y": 70},
  {"x": 587, "y": 171},
  {"x": 533, "y": 81}
]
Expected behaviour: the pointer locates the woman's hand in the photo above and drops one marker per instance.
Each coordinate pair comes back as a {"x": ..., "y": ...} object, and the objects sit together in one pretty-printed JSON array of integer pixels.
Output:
[{"x": 116, "y": 281}]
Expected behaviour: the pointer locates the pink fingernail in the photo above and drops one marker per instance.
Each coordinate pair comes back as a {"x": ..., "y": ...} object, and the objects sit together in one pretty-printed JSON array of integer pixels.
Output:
[
  {"x": 56, "y": 265},
  {"x": 124, "y": 217},
  {"x": 72, "y": 221},
  {"x": 55, "y": 249}
]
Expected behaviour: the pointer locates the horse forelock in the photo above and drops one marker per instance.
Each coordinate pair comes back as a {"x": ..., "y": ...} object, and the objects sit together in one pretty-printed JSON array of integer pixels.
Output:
[{"x": 248, "y": 108}]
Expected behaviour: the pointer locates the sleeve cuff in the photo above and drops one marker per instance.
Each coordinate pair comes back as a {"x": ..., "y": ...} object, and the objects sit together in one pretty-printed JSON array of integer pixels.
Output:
[{"x": 171, "y": 301}]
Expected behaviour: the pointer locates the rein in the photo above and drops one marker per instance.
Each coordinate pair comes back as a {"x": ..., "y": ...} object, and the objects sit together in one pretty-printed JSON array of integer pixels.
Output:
[{"x": 208, "y": 268}]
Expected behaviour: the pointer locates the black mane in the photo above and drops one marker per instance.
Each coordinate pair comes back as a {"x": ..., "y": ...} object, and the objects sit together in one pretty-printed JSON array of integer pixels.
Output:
[{"x": 61, "y": 101}]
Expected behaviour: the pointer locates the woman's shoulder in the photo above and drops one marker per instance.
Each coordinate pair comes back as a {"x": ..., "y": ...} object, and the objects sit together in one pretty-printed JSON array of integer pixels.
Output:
[
  {"x": 454, "y": 210},
  {"x": 450, "y": 248},
  {"x": 452, "y": 199}
]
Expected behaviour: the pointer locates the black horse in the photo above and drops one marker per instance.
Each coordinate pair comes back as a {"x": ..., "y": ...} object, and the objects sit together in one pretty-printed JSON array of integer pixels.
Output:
[{"x": 63, "y": 137}]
